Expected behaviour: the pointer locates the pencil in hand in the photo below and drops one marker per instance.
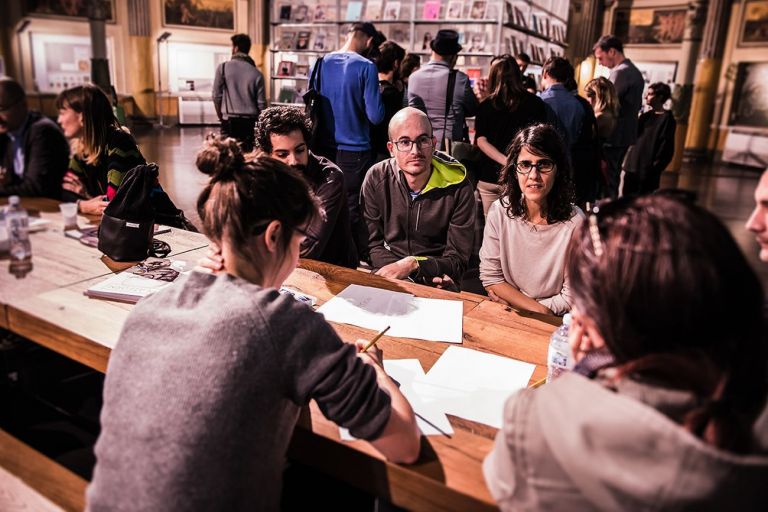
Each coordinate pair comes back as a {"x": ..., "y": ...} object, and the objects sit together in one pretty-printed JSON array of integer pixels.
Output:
[{"x": 375, "y": 339}]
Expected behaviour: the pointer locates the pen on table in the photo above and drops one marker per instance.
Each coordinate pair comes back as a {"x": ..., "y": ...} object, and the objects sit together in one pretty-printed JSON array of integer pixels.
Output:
[
  {"x": 375, "y": 339},
  {"x": 538, "y": 383}
]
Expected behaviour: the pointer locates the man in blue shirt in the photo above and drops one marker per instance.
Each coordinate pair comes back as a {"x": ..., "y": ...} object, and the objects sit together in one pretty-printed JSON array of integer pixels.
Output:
[
  {"x": 350, "y": 100},
  {"x": 567, "y": 109},
  {"x": 33, "y": 152}
]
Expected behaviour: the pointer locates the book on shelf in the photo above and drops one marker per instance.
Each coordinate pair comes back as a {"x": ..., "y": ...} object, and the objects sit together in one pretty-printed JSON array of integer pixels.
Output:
[
  {"x": 492, "y": 11},
  {"x": 425, "y": 41},
  {"x": 137, "y": 282},
  {"x": 302, "y": 40},
  {"x": 284, "y": 12},
  {"x": 322, "y": 12},
  {"x": 399, "y": 35},
  {"x": 288, "y": 95},
  {"x": 477, "y": 41},
  {"x": 320, "y": 42},
  {"x": 519, "y": 18},
  {"x": 287, "y": 40},
  {"x": 431, "y": 10},
  {"x": 477, "y": 10},
  {"x": 392, "y": 11},
  {"x": 302, "y": 14},
  {"x": 455, "y": 10},
  {"x": 354, "y": 11},
  {"x": 373, "y": 10},
  {"x": 285, "y": 68},
  {"x": 302, "y": 70}
]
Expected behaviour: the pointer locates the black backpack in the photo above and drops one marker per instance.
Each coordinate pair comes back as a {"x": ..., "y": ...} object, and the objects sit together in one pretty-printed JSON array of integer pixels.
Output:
[{"x": 125, "y": 232}]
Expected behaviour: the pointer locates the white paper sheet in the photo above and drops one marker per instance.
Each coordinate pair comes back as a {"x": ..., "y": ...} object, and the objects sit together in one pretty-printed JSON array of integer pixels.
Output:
[
  {"x": 407, "y": 316},
  {"x": 472, "y": 385},
  {"x": 431, "y": 419}
]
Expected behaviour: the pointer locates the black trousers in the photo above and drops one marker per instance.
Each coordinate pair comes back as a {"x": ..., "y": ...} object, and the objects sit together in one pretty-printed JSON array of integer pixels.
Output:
[{"x": 240, "y": 128}]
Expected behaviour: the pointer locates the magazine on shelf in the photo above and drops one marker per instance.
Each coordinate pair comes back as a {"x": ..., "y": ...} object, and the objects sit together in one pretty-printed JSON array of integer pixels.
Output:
[
  {"x": 477, "y": 11},
  {"x": 137, "y": 282},
  {"x": 285, "y": 12},
  {"x": 477, "y": 42},
  {"x": 474, "y": 75},
  {"x": 519, "y": 17},
  {"x": 322, "y": 12},
  {"x": 302, "y": 70},
  {"x": 285, "y": 68},
  {"x": 320, "y": 44},
  {"x": 425, "y": 41},
  {"x": 400, "y": 36},
  {"x": 287, "y": 40},
  {"x": 302, "y": 40},
  {"x": 431, "y": 10},
  {"x": 354, "y": 11},
  {"x": 455, "y": 10},
  {"x": 373, "y": 10},
  {"x": 492, "y": 11},
  {"x": 392, "y": 11},
  {"x": 301, "y": 14}
]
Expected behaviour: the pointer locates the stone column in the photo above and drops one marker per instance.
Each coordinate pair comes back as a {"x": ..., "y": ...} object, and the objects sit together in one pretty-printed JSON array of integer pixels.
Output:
[
  {"x": 97, "y": 17},
  {"x": 141, "y": 75},
  {"x": 706, "y": 80}
]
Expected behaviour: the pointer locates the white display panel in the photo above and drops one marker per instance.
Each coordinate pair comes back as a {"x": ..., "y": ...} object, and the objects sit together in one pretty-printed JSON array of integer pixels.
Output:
[
  {"x": 63, "y": 61},
  {"x": 191, "y": 67}
]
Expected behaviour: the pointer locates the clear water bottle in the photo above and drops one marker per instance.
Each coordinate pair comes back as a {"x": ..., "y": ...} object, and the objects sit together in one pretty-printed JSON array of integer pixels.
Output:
[
  {"x": 559, "y": 357},
  {"x": 18, "y": 230}
]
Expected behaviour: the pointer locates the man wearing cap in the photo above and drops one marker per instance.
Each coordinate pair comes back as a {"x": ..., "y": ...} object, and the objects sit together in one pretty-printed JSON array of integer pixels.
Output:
[
  {"x": 430, "y": 86},
  {"x": 33, "y": 152},
  {"x": 350, "y": 100}
]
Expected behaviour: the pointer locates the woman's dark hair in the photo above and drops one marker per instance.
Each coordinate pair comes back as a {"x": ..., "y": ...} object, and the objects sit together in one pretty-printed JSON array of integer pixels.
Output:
[
  {"x": 505, "y": 84},
  {"x": 98, "y": 118},
  {"x": 411, "y": 62},
  {"x": 544, "y": 141},
  {"x": 243, "y": 197},
  {"x": 678, "y": 306},
  {"x": 281, "y": 121},
  {"x": 389, "y": 53}
]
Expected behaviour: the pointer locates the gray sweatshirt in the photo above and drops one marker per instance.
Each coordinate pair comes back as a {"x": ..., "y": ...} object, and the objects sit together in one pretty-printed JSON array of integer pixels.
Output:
[{"x": 203, "y": 391}]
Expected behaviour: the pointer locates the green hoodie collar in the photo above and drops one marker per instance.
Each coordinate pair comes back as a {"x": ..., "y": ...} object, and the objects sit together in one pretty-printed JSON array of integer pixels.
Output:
[{"x": 445, "y": 172}]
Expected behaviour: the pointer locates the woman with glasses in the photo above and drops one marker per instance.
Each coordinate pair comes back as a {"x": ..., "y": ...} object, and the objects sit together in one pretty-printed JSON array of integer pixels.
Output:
[
  {"x": 527, "y": 230},
  {"x": 205, "y": 385},
  {"x": 104, "y": 151},
  {"x": 505, "y": 111},
  {"x": 666, "y": 407}
]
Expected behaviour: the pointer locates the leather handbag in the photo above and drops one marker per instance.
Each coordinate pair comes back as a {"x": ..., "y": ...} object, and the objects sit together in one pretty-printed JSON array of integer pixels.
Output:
[
  {"x": 312, "y": 100},
  {"x": 468, "y": 154}
]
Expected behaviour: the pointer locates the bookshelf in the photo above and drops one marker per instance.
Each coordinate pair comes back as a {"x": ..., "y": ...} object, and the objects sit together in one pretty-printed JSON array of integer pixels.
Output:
[{"x": 302, "y": 32}]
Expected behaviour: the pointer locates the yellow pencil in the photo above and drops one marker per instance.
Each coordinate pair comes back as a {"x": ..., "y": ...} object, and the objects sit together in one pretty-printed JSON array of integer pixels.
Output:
[
  {"x": 538, "y": 383},
  {"x": 375, "y": 339}
]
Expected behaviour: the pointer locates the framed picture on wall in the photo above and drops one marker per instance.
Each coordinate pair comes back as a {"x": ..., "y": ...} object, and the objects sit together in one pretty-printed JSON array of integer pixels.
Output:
[
  {"x": 207, "y": 14},
  {"x": 650, "y": 26},
  {"x": 64, "y": 8},
  {"x": 750, "y": 96},
  {"x": 754, "y": 28}
]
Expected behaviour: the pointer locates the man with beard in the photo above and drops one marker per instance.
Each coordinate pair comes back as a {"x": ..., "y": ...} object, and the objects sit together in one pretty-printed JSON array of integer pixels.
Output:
[
  {"x": 282, "y": 133},
  {"x": 419, "y": 207},
  {"x": 33, "y": 152}
]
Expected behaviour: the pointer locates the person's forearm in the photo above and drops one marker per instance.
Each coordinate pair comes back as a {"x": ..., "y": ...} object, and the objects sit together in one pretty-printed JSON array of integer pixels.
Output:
[
  {"x": 491, "y": 151},
  {"x": 400, "y": 439},
  {"x": 517, "y": 299}
]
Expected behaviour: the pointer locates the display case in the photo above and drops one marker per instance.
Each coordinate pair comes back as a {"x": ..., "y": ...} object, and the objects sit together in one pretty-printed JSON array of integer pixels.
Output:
[{"x": 303, "y": 32}]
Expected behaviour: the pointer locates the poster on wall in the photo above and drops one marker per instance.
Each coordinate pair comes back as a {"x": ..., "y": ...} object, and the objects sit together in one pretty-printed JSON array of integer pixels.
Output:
[
  {"x": 754, "y": 31},
  {"x": 664, "y": 72},
  {"x": 750, "y": 97},
  {"x": 67, "y": 8},
  {"x": 208, "y": 14},
  {"x": 63, "y": 61},
  {"x": 650, "y": 26}
]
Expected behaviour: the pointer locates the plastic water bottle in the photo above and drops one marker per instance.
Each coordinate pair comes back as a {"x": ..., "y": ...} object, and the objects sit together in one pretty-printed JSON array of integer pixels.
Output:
[
  {"x": 17, "y": 220},
  {"x": 559, "y": 357}
]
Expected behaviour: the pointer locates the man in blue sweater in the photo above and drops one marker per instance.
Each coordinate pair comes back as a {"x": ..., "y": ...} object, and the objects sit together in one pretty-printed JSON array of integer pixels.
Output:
[{"x": 349, "y": 87}]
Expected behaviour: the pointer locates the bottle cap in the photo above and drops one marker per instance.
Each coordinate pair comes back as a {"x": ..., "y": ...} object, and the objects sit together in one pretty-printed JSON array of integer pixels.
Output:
[
  {"x": 14, "y": 200},
  {"x": 567, "y": 319}
]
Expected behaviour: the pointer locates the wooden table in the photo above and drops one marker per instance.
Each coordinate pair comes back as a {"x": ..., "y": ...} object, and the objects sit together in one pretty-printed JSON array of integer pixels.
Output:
[{"x": 448, "y": 475}]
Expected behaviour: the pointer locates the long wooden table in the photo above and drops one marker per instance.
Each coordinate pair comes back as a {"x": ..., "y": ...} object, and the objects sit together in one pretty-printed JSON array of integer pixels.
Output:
[{"x": 54, "y": 312}]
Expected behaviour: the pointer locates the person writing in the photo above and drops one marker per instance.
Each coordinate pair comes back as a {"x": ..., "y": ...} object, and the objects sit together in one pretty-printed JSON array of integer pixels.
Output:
[
  {"x": 665, "y": 409},
  {"x": 103, "y": 153},
  {"x": 522, "y": 259},
  {"x": 200, "y": 417}
]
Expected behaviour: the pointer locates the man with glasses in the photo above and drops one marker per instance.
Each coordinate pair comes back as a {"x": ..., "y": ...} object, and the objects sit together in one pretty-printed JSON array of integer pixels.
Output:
[
  {"x": 33, "y": 152},
  {"x": 419, "y": 207}
]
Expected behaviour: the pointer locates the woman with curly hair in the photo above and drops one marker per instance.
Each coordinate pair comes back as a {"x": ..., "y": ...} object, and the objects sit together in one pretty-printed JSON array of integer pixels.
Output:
[{"x": 527, "y": 230}]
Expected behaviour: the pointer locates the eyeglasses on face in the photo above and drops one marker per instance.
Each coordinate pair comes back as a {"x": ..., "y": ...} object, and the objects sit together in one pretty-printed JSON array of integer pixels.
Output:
[
  {"x": 423, "y": 142},
  {"x": 544, "y": 166}
]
